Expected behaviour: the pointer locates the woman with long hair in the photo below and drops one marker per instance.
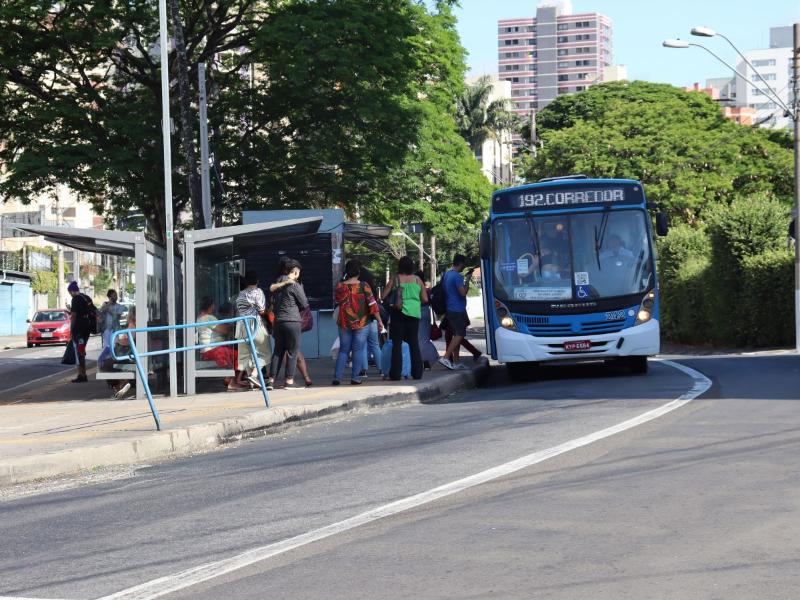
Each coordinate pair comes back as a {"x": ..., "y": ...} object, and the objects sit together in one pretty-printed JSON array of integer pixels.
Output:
[
  {"x": 357, "y": 304},
  {"x": 409, "y": 295},
  {"x": 288, "y": 301}
]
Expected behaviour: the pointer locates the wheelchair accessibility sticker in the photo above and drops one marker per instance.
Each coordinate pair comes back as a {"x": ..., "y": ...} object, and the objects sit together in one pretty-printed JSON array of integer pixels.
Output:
[{"x": 582, "y": 291}]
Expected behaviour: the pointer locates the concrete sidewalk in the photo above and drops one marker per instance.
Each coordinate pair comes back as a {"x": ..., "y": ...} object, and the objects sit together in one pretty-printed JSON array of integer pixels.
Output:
[
  {"x": 12, "y": 342},
  {"x": 67, "y": 428}
]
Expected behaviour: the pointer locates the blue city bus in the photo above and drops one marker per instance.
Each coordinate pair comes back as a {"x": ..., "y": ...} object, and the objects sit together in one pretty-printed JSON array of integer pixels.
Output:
[{"x": 568, "y": 273}]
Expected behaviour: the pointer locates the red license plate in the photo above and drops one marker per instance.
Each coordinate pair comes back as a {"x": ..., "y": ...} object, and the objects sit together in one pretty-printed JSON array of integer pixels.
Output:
[{"x": 577, "y": 345}]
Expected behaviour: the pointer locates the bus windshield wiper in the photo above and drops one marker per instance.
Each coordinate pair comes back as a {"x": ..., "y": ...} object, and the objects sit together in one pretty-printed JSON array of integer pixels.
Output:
[
  {"x": 535, "y": 236},
  {"x": 600, "y": 236}
]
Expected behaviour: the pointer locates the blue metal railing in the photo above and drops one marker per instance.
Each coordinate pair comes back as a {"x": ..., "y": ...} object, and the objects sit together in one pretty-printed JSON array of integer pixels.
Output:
[{"x": 136, "y": 356}]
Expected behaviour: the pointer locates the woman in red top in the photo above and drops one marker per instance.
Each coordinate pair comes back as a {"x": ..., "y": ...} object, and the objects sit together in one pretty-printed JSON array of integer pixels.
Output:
[{"x": 356, "y": 303}]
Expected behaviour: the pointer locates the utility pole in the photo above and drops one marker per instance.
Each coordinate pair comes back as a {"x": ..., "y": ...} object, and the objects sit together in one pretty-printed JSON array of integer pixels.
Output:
[
  {"x": 433, "y": 260},
  {"x": 205, "y": 181},
  {"x": 796, "y": 115},
  {"x": 533, "y": 132},
  {"x": 169, "y": 227},
  {"x": 421, "y": 251}
]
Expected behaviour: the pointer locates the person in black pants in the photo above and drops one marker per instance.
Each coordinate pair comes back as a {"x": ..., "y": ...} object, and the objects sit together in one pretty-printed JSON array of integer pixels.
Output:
[
  {"x": 289, "y": 299},
  {"x": 408, "y": 293}
]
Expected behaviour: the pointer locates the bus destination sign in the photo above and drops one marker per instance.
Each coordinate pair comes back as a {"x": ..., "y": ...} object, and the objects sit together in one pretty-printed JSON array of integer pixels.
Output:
[{"x": 565, "y": 197}]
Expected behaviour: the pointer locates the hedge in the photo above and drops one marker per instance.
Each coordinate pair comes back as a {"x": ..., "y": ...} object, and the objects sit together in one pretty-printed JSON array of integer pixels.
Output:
[{"x": 731, "y": 283}]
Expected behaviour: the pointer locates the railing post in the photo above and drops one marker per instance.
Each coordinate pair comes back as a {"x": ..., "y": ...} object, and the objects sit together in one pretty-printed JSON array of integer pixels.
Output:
[
  {"x": 255, "y": 357},
  {"x": 143, "y": 379}
]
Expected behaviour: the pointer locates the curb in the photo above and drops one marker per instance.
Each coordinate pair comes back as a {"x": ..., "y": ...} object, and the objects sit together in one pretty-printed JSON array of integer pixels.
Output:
[{"x": 185, "y": 441}]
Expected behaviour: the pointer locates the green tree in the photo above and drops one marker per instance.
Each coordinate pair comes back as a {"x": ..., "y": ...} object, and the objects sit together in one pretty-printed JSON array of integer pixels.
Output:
[
  {"x": 80, "y": 97},
  {"x": 439, "y": 183},
  {"x": 677, "y": 143}
]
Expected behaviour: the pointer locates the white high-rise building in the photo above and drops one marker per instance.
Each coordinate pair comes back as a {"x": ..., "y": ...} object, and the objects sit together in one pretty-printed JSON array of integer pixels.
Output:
[{"x": 774, "y": 64}]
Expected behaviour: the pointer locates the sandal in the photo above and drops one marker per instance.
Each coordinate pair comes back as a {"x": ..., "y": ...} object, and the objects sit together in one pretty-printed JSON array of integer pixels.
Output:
[{"x": 309, "y": 383}]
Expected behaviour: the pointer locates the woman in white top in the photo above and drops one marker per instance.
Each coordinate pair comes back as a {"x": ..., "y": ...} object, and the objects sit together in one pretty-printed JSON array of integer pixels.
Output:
[{"x": 251, "y": 301}]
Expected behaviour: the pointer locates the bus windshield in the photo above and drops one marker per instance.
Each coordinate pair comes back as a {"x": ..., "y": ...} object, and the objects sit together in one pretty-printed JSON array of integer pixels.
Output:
[{"x": 572, "y": 257}]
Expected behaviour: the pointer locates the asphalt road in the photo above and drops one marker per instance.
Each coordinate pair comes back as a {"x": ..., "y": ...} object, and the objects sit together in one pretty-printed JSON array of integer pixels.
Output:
[{"x": 700, "y": 503}]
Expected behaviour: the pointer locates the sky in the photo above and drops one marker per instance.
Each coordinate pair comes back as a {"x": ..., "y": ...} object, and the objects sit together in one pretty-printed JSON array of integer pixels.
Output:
[{"x": 639, "y": 28}]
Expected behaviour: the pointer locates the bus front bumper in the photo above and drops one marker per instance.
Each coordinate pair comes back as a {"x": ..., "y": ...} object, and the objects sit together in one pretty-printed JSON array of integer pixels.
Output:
[{"x": 640, "y": 340}]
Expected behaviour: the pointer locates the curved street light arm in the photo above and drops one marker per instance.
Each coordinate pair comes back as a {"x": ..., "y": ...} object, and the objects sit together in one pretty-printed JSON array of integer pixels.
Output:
[
  {"x": 749, "y": 64},
  {"x": 745, "y": 79}
]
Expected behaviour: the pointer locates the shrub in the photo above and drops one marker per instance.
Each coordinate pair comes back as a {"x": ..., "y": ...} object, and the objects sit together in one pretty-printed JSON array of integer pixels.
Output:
[
  {"x": 766, "y": 305},
  {"x": 683, "y": 243},
  {"x": 685, "y": 303}
]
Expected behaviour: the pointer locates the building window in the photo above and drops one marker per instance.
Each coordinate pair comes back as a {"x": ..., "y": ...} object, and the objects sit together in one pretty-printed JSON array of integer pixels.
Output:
[
  {"x": 515, "y": 80},
  {"x": 563, "y": 90},
  {"x": 563, "y": 77},
  {"x": 765, "y": 62},
  {"x": 508, "y": 42},
  {"x": 580, "y": 88},
  {"x": 766, "y": 76},
  {"x": 563, "y": 26},
  {"x": 532, "y": 42},
  {"x": 565, "y": 65},
  {"x": 563, "y": 39},
  {"x": 563, "y": 52}
]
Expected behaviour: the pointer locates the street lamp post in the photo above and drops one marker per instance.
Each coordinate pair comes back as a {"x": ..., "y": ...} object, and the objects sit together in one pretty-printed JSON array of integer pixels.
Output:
[
  {"x": 168, "y": 226},
  {"x": 792, "y": 112}
]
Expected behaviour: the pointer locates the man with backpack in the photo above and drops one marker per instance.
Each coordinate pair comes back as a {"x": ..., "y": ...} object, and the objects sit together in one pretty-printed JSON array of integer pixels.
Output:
[
  {"x": 455, "y": 296},
  {"x": 82, "y": 322}
]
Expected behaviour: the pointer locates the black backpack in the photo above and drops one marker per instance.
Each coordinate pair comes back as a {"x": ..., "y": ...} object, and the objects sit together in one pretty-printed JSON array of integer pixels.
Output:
[
  {"x": 438, "y": 299},
  {"x": 91, "y": 314}
]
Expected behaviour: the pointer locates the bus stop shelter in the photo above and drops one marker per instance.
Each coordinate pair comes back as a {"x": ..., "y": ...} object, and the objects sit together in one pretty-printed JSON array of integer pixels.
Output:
[
  {"x": 214, "y": 261},
  {"x": 149, "y": 260}
]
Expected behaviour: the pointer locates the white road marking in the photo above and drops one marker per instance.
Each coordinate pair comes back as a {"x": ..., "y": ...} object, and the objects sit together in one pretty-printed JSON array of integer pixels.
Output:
[
  {"x": 20, "y": 598},
  {"x": 191, "y": 577}
]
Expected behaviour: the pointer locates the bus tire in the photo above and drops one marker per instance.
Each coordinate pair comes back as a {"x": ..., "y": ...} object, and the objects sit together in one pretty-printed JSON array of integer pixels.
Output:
[
  {"x": 637, "y": 364},
  {"x": 521, "y": 371}
]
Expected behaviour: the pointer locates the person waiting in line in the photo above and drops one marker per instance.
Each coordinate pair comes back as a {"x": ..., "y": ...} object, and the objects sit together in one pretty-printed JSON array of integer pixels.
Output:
[
  {"x": 406, "y": 313},
  {"x": 251, "y": 302},
  {"x": 223, "y": 356},
  {"x": 79, "y": 327},
  {"x": 372, "y": 349},
  {"x": 357, "y": 304},
  {"x": 108, "y": 316},
  {"x": 284, "y": 266},
  {"x": 427, "y": 350},
  {"x": 288, "y": 301},
  {"x": 455, "y": 291}
]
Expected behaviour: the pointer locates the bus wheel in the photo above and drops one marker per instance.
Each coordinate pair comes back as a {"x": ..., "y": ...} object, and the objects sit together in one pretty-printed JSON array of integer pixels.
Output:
[
  {"x": 522, "y": 371},
  {"x": 637, "y": 364}
]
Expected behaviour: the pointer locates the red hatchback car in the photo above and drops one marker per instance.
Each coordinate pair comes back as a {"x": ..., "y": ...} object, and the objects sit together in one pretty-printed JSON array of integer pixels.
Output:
[{"x": 49, "y": 327}]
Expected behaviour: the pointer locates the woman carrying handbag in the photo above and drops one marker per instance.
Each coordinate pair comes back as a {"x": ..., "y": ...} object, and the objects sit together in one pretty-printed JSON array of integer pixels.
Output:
[{"x": 405, "y": 294}]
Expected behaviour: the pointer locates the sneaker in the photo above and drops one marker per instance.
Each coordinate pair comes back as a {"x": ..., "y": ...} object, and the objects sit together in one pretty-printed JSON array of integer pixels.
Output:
[
  {"x": 363, "y": 374},
  {"x": 270, "y": 385},
  {"x": 80, "y": 379},
  {"x": 335, "y": 382},
  {"x": 122, "y": 391},
  {"x": 355, "y": 382},
  {"x": 460, "y": 367},
  {"x": 446, "y": 363}
]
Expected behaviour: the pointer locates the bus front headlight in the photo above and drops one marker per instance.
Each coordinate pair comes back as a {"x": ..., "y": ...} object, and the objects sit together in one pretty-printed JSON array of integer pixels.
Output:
[
  {"x": 504, "y": 316},
  {"x": 646, "y": 309}
]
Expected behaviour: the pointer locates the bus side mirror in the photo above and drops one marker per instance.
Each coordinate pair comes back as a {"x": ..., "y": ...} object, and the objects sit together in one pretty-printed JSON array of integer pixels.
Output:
[
  {"x": 662, "y": 224},
  {"x": 485, "y": 242}
]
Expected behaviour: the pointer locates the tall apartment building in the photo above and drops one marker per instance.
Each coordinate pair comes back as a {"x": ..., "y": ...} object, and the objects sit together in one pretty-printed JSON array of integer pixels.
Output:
[{"x": 554, "y": 53}]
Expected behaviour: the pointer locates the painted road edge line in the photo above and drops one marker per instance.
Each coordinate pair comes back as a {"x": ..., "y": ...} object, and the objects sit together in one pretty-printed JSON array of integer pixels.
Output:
[{"x": 191, "y": 577}]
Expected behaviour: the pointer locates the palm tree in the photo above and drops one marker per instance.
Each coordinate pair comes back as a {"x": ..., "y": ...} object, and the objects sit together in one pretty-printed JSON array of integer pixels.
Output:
[{"x": 479, "y": 118}]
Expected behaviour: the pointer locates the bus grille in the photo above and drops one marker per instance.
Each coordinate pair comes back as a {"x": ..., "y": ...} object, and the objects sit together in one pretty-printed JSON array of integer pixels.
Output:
[{"x": 542, "y": 327}]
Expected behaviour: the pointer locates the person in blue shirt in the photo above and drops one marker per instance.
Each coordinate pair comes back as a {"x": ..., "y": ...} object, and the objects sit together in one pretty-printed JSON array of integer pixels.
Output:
[{"x": 455, "y": 292}]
